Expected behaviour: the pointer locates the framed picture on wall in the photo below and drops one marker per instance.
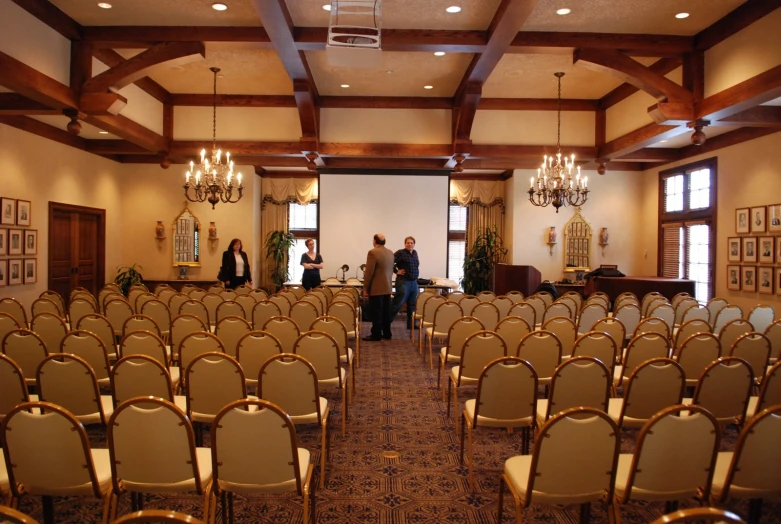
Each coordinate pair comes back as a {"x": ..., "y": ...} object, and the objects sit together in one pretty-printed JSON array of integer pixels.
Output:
[
  {"x": 774, "y": 218},
  {"x": 749, "y": 249},
  {"x": 778, "y": 251},
  {"x": 749, "y": 278},
  {"x": 733, "y": 278},
  {"x": 3, "y": 241},
  {"x": 15, "y": 241},
  {"x": 31, "y": 270},
  {"x": 741, "y": 220},
  {"x": 14, "y": 272},
  {"x": 23, "y": 213},
  {"x": 3, "y": 273},
  {"x": 766, "y": 246},
  {"x": 778, "y": 280},
  {"x": 31, "y": 241},
  {"x": 757, "y": 217},
  {"x": 7, "y": 211},
  {"x": 765, "y": 278},
  {"x": 733, "y": 249}
]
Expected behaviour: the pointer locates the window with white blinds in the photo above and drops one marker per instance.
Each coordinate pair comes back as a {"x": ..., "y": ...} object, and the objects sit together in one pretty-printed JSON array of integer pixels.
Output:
[
  {"x": 686, "y": 226},
  {"x": 456, "y": 242}
]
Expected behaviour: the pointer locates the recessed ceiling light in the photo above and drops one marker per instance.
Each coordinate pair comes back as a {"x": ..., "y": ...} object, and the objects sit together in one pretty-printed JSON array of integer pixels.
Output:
[
  {"x": 453, "y": 9},
  {"x": 104, "y": 5},
  {"x": 345, "y": 86},
  {"x": 682, "y": 15},
  {"x": 389, "y": 71},
  {"x": 428, "y": 87},
  {"x": 663, "y": 141},
  {"x": 563, "y": 11},
  {"x": 439, "y": 53},
  {"x": 327, "y": 7},
  {"x": 219, "y": 7},
  {"x": 102, "y": 132}
]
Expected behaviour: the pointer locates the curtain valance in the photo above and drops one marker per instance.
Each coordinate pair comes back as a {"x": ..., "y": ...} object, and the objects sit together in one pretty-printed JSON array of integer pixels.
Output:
[
  {"x": 283, "y": 190},
  {"x": 485, "y": 192}
]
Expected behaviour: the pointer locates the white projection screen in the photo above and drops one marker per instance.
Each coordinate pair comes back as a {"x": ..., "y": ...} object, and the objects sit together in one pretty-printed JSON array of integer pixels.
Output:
[{"x": 355, "y": 207}]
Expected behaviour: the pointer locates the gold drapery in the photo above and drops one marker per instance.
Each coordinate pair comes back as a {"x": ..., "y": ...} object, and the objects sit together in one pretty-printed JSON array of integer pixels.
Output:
[
  {"x": 277, "y": 193},
  {"x": 485, "y": 201}
]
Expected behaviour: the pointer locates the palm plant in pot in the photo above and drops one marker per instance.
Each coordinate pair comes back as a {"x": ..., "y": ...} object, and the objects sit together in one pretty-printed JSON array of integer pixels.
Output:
[
  {"x": 487, "y": 250},
  {"x": 127, "y": 276},
  {"x": 278, "y": 246}
]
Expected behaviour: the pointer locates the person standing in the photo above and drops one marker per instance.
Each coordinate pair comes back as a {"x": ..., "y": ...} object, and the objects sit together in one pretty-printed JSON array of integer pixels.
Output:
[
  {"x": 377, "y": 286},
  {"x": 312, "y": 263},
  {"x": 235, "y": 269},
  {"x": 407, "y": 272}
]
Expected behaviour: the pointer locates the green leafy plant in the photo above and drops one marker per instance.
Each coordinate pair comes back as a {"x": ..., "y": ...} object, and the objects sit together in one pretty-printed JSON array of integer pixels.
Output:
[
  {"x": 487, "y": 250},
  {"x": 278, "y": 246},
  {"x": 127, "y": 276}
]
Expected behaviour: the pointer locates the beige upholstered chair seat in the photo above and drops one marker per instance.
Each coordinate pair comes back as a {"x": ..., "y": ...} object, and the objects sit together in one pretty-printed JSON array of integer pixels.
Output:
[
  {"x": 309, "y": 418},
  {"x": 4, "y": 484},
  {"x": 517, "y": 470},
  {"x": 282, "y": 487},
  {"x": 449, "y": 356},
  {"x": 336, "y": 381},
  {"x": 102, "y": 463},
  {"x": 208, "y": 418},
  {"x": 204, "y": 458},
  {"x": 465, "y": 381},
  {"x": 94, "y": 418},
  {"x": 614, "y": 411},
  {"x": 542, "y": 410},
  {"x": 622, "y": 478},
  {"x": 469, "y": 408},
  {"x": 344, "y": 359}
]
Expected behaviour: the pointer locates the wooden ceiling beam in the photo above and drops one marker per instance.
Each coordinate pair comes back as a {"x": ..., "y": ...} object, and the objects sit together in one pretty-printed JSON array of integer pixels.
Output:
[
  {"x": 537, "y": 104},
  {"x": 383, "y": 163},
  {"x": 529, "y": 152},
  {"x": 736, "y": 20},
  {"x": 236, "y": 148},
  {"x": 16, "y": 104},
  {"x": 650, "y": 154},
  {"x": 726, "y": 140},
  {"x": 233, "y": 100},
  {"x": 638, "y": 139},
  {"x": 115, "y": 147},
  {"x": 636, "y": 45},
  {"x": 139, "y": 37},
  {"x": 36, "y": 127},
  {"x": 662, "y": 67},
  {"x": 752, "y": 92},
  {"x": 385, "y": 102},
  {"x": 385, "y": 150},
  {"x": 26, "y": 81},
  {"x": 50, "y": 15},
  {"x": 129, "y": 130},
  {"x": 279, "y": 27},
  {"x": 112, "y": 59},
  {"x": 404, "y": 40},
  {"x": 759, "y": 116}
]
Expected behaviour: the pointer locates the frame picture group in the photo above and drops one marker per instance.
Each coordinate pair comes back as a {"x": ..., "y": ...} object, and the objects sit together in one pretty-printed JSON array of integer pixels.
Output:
[
  {"x": 774, "y": 218},
  {"x": 750, "y": 249},
  {"x": 15, "y": 271},
  {"x": 749, "y": 278},
  {"x": 758, "y": 217},
  {"x": 733, "y": 278},
  {"x": 742, "y": 224},
  {"x": 766, "y": 251},
  {"x": 765, "y": 280}
]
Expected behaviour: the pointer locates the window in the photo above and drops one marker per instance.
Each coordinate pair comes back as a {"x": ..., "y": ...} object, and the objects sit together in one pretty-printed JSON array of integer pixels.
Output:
[
  {"x": 687, "y": 227},
  {"x": 456, "y": 243},
  {"x": 302, "y": 222}
]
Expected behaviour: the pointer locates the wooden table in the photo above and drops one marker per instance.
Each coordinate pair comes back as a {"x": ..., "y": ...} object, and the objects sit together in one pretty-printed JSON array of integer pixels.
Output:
[{"x": 640, "y": 286}]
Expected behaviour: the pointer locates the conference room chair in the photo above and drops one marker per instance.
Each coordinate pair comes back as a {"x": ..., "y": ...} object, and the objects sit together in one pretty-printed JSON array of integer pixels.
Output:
[
  {"x": 624, "y": 297},
  {"x": 648, "y": 300},
  {"x": 724, "y": 390},
  {"x": 90, "y": 348},
  {"x": 769, "y": 393},
  {"x": 725, "y": 314},
  {"x": 656, "y": 384},
  {"x": 139, "y": 285},
  {"x": 315, "y": 299},
  {"x": 455, "y": 296},
  {"x": 665, "y": 312},
  {"x": 733, "y": 330},
  {"x": 253, "y": 350},
  {"x": 761, "y": 317},
  {"x": 538, "y": 304},
  {"x": 327, "y": 290},
  {"x": 542, "y": 349},
  {"x": 259, "y": 294},
  {"x": 678, "y": 297},
  {"x": 702, "y": 515},
  {"x": 100, "y": 299},
  {"x": 575, "y": 297},
  {"x": 516, "y": 296},
  {"x": 335, "y": 327},
  {"x": 526, "y": 312},
  {"x": 629, "y": 315},
  {"x": 754, "y": 348},
  {"x": 687, "y": 329},
  {"x": 273, "y": 464},
  {"x": 57, "y": 299},
  {"x": 196, "y": 293},
  {"x": 282, "y": 303},
  {"x": 262, "y": 311},
  {"x": 697, "y": 312},
  {"x": 181, "y": 326},
  {"x": 13, "y": 390},
  {"x": 68, "y": 381},
  {"x": 512, "y": 330},
  {"x": 682, "y": 306},
  {"x": 153, "y": 450},
  {"x": 106, "y": 299},
  {"x": 297, "y": 290},
  {"x": 7, "y": 324},
  {"x": 164, "y": 293},
  {"x": 502, "y": 303},
  {"x": 451, "y": 353},
  {"x": 673, "y": 461},
  {"x": 158, "y": 311},
  {"x": 117, "y": 311},
  {"x": 149, "y": 344},
  {"x": 640, "y": 349},
  {"x": 427, "y": 316},
  {"x": 695, "y": 354},
  {"x": 598, "y": 345},
  {"x": 14, "y": 516},
  {"x": 228, "y": 308},
  {"x": 288, "y": 295},
  {"x": 751, "y": 471},
  {"x": 133, "y": 294},
  {"x": 142, "y": 299},
  {"x": 653, "y": 325},
  {"x": 195, "y": 308},
  {"x": 230, "y": 330},
  {"x": 445, "y": 315},
  {"x": 51, "y": 329},
  {"x": 506, "y": 398},
  {"x": 284, "y": 329},
  {"x": 351, "y": 318},
  {"x": 303, "y": 314},
  {"x": 211, "y": 301},
  {"x": 139, "y": 322},
  {"x": 546, "y": 297},
  {"x": 81, "y": 289},
  {"x": 479, "y": 350},
  {"x": 487, "y": 313},
  {"x": 38, "y": 444},
  {"x": 26, "y": 349},
  {"x": 193, "y": 345},
  {"x": 228, "y": 294},
  {"x": 565, "y": 330},
  {"x": 100, "y": 326},
  {"x": 613, "y": 327},
  {"x": 599, "y": 298},
  {"x": 175, "y": 302},
  {"x": 188, "y": 288},
  {"x": 589, "y": 316},
  {"x": 486, "y": 296},
  {"x": 216, "y": 288},
  {"x": 149, "y": 516},
  {"x": 773, "y": 334},
  {"x": 243, "y": 289},
  {"x": 322, "y": 352},
  {"x": 571, "y": 305},
  {"x": 468, "y": 303},
  {"x": 44, "y": 305},
  {"x": 577, "y": 382},
  {"x": 573, "y": 461},
  {"x": 142, "y": 376},
  {"x": 247, "y": 303},
  {"x": 290, "y": 382},
  {"x": 324, "y": 294}
]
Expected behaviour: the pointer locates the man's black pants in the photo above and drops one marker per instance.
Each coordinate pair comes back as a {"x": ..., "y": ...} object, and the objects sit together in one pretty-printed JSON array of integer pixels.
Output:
[{"x": 379, "y": 307}]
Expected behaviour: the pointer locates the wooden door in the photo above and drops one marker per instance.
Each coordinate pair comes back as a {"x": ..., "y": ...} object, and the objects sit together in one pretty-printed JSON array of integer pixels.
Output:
[{"x": 77, "y": 255}]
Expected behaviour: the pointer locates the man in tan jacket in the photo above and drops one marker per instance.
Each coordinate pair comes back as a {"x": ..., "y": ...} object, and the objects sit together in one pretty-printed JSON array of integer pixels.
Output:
[{"x": 377, "y": 286}]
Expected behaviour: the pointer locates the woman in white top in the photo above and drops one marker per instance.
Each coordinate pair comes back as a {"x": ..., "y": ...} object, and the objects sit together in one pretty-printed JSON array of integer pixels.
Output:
[{"x": 235, "y": 269}]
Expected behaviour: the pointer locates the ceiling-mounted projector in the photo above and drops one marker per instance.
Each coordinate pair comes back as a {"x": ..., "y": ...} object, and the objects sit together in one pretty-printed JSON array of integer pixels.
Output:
[{"x": 354, "y": 38}]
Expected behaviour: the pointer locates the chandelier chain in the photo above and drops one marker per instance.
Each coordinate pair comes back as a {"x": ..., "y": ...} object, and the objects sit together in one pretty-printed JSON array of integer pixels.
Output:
[
  {"x": 558, "y": 124},
  {"x": 214, "y": 110}
]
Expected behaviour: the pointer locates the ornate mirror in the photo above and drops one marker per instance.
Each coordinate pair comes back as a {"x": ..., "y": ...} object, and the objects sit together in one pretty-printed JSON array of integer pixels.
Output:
[
  {"x": 577, "y": 245},
  {"x": 186, "y": 235}
]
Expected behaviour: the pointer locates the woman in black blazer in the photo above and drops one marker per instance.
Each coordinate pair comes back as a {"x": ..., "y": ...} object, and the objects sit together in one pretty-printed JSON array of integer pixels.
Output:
[{"x": 235, "y": 269}]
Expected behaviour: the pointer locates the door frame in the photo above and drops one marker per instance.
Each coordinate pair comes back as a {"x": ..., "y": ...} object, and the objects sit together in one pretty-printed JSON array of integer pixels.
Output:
[{"x": 100, "y": 270}]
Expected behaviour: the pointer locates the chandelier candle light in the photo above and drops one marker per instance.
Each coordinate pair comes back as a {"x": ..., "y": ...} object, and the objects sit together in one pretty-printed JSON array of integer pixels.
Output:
[
  {"x": 213, "y": 176},
  {"x": 555, "y": 183}
]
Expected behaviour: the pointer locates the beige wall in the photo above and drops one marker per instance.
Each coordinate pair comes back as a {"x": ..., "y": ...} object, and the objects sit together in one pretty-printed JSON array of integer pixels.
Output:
[
  {"x": 272, "y": 124},
  {"x": 612, "y": 204},
  {"x": 748, "y": 175},
  {"x": 533, "y": 127},
  {"x": 400, "y": 126}
]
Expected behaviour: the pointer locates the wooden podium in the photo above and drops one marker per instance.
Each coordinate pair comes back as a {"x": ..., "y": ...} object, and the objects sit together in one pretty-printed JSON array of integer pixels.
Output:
[{"x": 516, "y": 278}]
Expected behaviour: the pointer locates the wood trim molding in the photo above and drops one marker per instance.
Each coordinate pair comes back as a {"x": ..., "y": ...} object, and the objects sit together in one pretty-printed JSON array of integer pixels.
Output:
[{"x": 738, "y": 19}]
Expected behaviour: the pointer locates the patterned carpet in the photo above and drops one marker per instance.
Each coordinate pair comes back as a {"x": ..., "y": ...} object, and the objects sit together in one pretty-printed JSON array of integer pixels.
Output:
[{"x": 397, "y": 409}]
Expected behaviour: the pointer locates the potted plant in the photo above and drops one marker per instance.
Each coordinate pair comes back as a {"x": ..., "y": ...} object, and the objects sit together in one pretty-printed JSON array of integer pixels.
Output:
[
  {"x": 278, "y": 246},
  {"x": 487, "y": 250},
  {"x": 127, "y": 276}
]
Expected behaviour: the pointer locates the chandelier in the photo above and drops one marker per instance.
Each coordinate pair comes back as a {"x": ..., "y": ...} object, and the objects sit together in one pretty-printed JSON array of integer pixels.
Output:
[
  {"x": 213, "y": 177},
  {"x": 555, "y": 183}
]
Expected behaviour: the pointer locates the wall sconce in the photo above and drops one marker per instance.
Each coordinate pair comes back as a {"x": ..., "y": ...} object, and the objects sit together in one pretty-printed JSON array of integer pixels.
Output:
[
  {"x": 552, "y": 238},
  {"x": 604, "y": 239},
  {"x": 361, "y": 268},
  {"x": 344, "y": 269},
  {"x": 160, "y": 230}
]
